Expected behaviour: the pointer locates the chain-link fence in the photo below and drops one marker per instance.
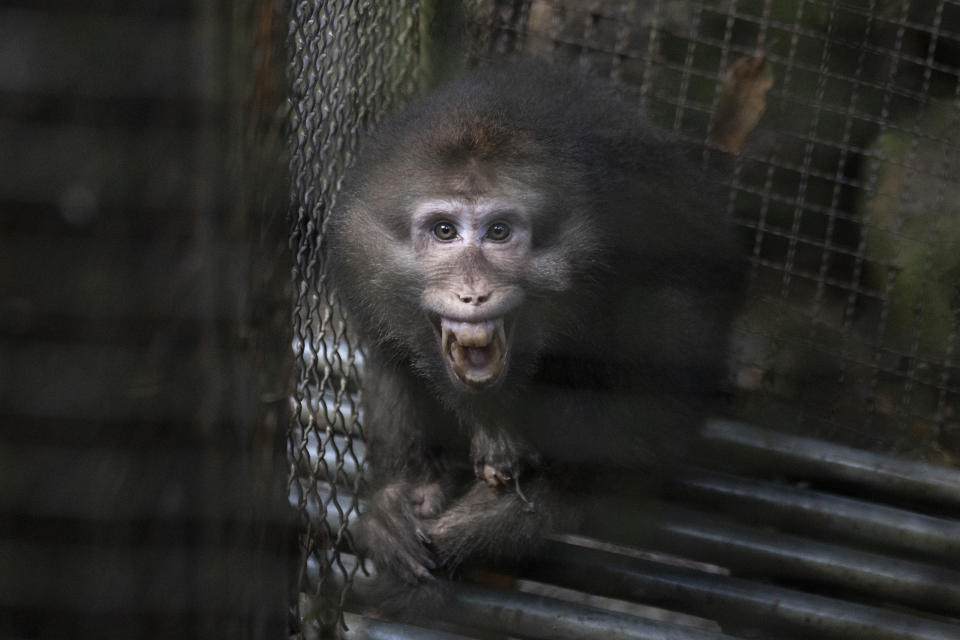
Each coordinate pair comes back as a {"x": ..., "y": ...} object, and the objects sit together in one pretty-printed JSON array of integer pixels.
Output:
[
  {"x": 839, "y": 122},
  {"x": 351, "y": 63}
]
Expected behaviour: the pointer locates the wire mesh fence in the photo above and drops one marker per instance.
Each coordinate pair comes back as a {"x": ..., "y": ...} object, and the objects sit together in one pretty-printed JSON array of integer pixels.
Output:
[
  {"x": 838, "y": 122},
  {"x": 850, "y": 286}
]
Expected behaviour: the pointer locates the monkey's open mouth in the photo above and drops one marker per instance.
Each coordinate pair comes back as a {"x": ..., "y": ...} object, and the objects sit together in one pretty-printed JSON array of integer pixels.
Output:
[{"x": 474, "y": 351}]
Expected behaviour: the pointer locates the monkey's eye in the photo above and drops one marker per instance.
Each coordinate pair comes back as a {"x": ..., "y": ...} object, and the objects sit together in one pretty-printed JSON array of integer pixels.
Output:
[
  {"x": 445, "y": 230},
  {"x": 498, "y": 231}
]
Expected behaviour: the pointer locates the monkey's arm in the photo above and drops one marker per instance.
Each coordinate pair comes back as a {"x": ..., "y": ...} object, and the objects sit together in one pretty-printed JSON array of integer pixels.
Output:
[
  {"x": 408, "y": 480},
  {"x": 496, "y": 523}
]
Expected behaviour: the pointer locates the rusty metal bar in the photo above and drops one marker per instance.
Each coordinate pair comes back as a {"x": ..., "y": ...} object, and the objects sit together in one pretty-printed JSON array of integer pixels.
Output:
[
  {"x": 513, "y": 613},
  {"x": 821, "y": 514},
  {"x": 364, "y": 628},
  {"x": 818, "y": 459},
  {"x": 755, "y": 552},
  {"x": 733, "y": 602},
  {"x": 532, "y": 616}
]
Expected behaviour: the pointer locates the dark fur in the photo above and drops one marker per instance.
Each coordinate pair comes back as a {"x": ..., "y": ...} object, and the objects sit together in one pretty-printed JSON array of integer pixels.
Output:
[{"x": 612, "y": 368}]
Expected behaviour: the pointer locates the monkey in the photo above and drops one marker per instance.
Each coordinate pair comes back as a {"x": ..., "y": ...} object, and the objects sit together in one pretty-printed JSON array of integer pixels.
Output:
[{"x": 544, "y": 283}]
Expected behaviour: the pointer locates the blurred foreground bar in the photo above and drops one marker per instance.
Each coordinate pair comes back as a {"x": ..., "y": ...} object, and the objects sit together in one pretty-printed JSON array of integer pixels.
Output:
[{"x": 144, "y": 322}]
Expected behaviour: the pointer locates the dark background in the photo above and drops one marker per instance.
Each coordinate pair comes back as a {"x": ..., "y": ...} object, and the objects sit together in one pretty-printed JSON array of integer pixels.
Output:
[
  {"x": 144, "y": 314},
  {"x": 148, "y": 154}
]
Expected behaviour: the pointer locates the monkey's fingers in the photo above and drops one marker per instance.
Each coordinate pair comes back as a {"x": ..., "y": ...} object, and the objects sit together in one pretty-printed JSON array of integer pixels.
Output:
[
  {"x": 411, "y": 572},
  {"x": 414, "y": 565},
  {"x": 528, "y": 505},
  {"x": 495, "y": 477},
  {"x": 421, "y": 572},
  {"x": 480, "y": 470},
  {"x": 498, "y": 476},
  {"x": 397, "y": 547},
  {"x": 423, "y": 537},
  {"x": 427, "y": 500}
]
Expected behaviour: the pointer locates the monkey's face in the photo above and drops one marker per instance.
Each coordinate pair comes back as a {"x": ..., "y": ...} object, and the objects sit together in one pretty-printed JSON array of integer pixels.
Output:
[
  {"x": 464, "y": 269},
  {"x": 472, "y": 253}
]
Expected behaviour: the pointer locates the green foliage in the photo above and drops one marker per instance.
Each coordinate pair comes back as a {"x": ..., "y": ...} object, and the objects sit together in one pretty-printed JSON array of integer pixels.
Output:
[{"x": 912, "y": 228}]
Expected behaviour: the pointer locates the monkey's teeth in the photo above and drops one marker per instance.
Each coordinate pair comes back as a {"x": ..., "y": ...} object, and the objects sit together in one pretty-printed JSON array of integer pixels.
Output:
[
  {"x": 471, "y": 334},
  {"x": 456, "y": 352},
  {"x": 475, "y": 350}
]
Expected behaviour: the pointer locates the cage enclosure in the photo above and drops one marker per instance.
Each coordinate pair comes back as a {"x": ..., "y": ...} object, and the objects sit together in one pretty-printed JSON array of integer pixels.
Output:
[{"x": 832, "y": 505}]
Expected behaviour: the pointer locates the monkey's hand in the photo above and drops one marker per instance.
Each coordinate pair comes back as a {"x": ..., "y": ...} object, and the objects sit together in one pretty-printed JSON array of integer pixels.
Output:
[
  {"x": 488, "y": 523},
  {"x": 393, "y": 532},
  {"x": 496, "y": 457},
  {"x": 498, "y": 460}
]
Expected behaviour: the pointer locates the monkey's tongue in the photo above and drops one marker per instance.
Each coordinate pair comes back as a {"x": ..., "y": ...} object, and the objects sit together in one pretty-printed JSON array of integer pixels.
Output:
[{"x": 474, "y": 350}]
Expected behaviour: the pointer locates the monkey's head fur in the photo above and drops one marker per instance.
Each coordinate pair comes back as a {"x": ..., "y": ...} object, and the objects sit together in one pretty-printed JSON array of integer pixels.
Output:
[{"x": 479, "y": 223}]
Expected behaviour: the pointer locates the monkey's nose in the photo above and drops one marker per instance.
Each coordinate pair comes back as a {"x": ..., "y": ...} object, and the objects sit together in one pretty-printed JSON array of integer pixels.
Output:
[{"x": 473, "y": 298}]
